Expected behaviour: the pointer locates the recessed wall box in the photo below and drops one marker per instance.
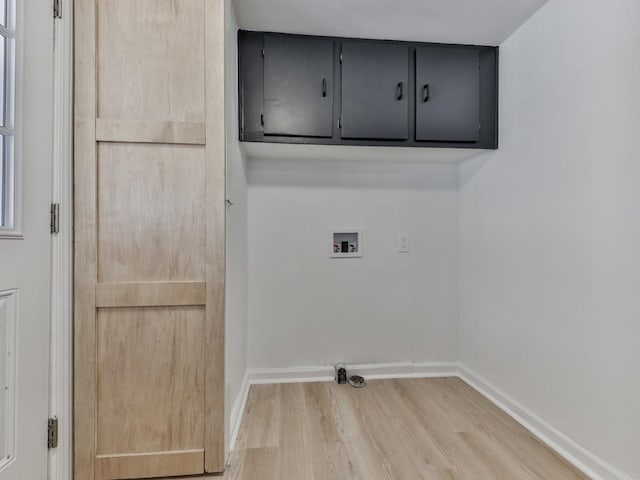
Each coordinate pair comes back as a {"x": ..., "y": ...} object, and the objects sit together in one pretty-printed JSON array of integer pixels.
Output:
[{"x": 345, "y": 243}]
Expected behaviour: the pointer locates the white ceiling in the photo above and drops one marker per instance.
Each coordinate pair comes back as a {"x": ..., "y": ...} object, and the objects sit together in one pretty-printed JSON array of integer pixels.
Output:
[{"x": 481, "y": 22}]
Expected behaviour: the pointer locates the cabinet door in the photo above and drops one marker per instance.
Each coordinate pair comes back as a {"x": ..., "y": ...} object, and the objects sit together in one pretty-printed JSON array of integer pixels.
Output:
[
  {"x": 375, "y": 93},
  {"x": 447, "y": 94},
  {"x": 298, "y": 86},
  {"x": 149, "y": 270}
]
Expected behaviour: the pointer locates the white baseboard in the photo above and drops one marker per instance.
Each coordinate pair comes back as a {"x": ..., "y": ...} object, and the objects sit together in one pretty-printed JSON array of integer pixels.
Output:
[
  {"x": 237, "y": 413},
  {"x": 580, "y": 457},
  {"x": 405, "y": 370},
  {"x": 370, "y": 371},
  {"x": 290, "y": 375}
]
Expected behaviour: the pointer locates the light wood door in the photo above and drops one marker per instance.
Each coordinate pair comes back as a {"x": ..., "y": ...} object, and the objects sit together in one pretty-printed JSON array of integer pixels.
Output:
[
  {"x": 149, "y": 238},
  {"x": 25, "y": 238}
]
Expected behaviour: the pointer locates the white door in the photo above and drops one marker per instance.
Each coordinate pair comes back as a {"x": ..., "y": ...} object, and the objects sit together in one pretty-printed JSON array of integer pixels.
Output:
[{"x": 26, "y": 59}]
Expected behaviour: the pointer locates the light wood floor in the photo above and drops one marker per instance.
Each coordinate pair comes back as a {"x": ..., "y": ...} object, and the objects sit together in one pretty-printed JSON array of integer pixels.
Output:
[{"x": 392, "y": 429}]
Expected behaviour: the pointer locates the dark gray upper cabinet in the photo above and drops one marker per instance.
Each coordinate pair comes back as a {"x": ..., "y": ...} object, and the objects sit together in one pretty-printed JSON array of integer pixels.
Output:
[
  {"x": 298, "y": 86},
  {"x": 447, "y": 94},
  {"x": 375, "y": 90},
  {"x": 343, "y": 91}
]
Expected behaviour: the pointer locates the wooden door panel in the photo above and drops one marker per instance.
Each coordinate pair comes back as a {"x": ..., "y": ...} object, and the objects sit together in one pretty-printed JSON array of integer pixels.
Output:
[
  {"x": 165, "y": 464},
  {"x": 150, "y": 380},
  {"x": 158, "y": 294},
  {"x": 151, "y": 60},
  {"x": 151, "y": 221},
  {"x": 150, "y": 230}
]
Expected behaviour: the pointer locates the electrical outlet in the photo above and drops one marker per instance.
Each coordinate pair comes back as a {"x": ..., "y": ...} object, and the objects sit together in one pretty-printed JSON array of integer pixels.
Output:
[{"x": 403, "y": 243}]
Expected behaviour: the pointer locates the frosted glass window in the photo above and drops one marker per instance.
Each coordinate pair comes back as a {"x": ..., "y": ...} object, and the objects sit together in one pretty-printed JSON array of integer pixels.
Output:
[{"x": 7, "y": 102}]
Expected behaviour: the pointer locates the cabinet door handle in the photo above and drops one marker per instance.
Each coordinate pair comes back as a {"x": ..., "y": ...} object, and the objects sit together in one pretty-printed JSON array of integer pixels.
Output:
[
  {"x": 324, "y": 87},
  {"x": 425, "y": 92},
  {"x": 400, "y": 91}
]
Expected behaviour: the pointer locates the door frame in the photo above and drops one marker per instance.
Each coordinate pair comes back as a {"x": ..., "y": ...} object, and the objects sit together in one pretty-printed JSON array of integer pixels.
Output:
[{"x": 61, "y": 357}]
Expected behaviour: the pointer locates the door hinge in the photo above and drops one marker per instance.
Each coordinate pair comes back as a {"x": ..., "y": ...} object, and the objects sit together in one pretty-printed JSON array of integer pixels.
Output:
[
  {"x": 263, "y": 53},
  {"x": 339, "y": 122},
  {"x": 52, "y": 433},
  {"x": 262, "y": 120},
  {"x": 340, "y": 57},
  {"x": 55, "y": 218},
  {"x": 57, "y": 8}
]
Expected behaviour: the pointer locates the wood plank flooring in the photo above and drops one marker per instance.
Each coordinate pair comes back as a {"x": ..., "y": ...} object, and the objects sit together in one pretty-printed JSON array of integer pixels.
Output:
[{"x": 429, "y": 429}]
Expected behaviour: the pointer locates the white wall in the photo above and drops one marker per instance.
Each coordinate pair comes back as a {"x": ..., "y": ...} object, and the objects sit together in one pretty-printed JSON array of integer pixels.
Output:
[
  {"x": 237, "y": 246},
  {"x": 550, "y": 228},
  {"x": 307, "y": 309}
]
